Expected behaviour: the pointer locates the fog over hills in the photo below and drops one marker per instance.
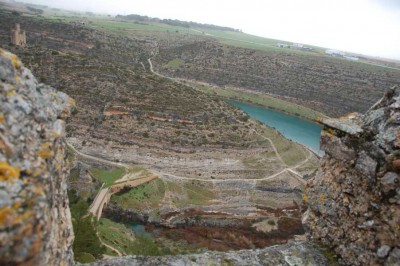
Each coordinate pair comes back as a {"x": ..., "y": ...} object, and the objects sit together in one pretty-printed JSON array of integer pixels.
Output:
[{"x": 367, "y": 27}]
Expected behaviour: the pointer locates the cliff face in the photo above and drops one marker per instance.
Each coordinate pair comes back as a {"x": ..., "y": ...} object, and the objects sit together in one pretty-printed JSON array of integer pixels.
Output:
[
  {"x": 354, "y": 200},
  {"x": 35, "y": 222}
]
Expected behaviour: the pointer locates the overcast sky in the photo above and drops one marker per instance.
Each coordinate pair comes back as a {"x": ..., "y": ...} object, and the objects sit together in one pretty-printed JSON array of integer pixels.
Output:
[{"x": 364, "y": 26}]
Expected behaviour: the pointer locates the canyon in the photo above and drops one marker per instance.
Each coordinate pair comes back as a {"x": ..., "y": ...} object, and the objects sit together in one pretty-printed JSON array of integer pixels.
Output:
[{"x": 151, "y": 141}]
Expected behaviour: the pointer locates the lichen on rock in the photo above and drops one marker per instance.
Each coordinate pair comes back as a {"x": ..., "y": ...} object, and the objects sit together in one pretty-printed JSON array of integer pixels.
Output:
[
  {"x": 359, "y": 178},
  {"x": 35, "y": 222}
]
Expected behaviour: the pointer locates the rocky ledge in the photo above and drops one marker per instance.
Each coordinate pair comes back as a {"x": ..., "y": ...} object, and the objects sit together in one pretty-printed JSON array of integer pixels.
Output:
[
  {"x": 354, "y": 200},
  {"x": 35, "y": 222},
  {"x": 293, "y": 253}
]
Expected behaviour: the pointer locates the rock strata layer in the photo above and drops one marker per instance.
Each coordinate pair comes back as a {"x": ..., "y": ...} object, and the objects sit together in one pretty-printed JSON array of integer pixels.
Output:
[
  {"x": 35, "y": 221},
  {"x": 294, "y": 253},
  {"x": 354, "y": 200}
]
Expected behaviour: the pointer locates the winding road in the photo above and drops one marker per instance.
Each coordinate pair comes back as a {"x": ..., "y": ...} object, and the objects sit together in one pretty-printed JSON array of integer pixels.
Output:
[{"x": 93, "y": 158}]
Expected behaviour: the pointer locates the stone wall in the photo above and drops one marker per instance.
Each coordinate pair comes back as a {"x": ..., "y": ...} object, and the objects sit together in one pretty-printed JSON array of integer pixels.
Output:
[
  {"x": 35, "y": 222},
  {"x": 354, "y": 200}
]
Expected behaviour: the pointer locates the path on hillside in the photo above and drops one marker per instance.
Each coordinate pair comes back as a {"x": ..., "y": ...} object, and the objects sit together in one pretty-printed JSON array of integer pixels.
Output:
[
  {"x": 288, "y": 169},
  {"x": 266, "y": 138},
  {"x": 157, "y": 74},
  {"x": 272, "y": 144},
  {"x": 110, "y": 247},
  {"x": 97, "y": 159},
  {"x": 161, "y": 173}
]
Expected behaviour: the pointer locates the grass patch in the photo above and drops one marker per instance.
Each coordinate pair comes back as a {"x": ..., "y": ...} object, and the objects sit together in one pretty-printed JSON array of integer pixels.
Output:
[
  {"x": 113, "y": 25},
  {"x": 123, "y": 239},
  {"x": 87, "y": 246},
  {"x": 265, "y": 202},
  {"x": 310, "y": 167},
  {"x": 74, "y": 175},
  {"x": 84, "y": 257},
  {"x": 264, "y": 101},
  {"x": 175, "y": 64},
  {"x": 197, "y": 195},
  {"x": 107, "y": 176},
  {"x": 191, "y": 193},
  {"x": 147, "y": 195},
  {"x": 115, "y": 234},
  {"x": 261, "y": 161},
  {"x": 291, "y": 152}
]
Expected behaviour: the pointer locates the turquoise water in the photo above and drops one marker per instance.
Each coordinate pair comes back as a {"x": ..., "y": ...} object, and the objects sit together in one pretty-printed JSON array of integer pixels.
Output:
[
  {"x": 299, "y": 130},
  {"x": 140, "y": 230}
]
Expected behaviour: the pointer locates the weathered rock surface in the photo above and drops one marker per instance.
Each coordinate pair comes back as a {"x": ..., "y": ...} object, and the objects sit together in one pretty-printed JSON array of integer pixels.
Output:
[
  {"x": 35, "y": 222},
  {"x": 294, "y": 253},
  {"x": 354, "y": 200}
]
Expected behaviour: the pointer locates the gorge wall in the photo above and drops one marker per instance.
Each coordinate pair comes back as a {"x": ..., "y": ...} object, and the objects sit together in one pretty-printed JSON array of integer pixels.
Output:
[
  {"x": 354, "y": 200},
  {"x": 35, "y": 221}
]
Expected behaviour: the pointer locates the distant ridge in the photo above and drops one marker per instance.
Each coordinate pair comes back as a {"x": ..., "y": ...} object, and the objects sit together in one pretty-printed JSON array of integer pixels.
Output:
[{"x": 175, "y": 22}]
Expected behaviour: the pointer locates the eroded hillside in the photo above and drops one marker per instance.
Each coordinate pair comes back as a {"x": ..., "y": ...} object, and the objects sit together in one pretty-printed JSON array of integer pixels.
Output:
[{"x": 330, "y": 85}]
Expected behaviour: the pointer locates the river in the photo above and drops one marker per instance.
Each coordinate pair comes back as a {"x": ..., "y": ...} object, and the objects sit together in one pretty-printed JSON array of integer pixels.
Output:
[
  {"x": 292, "y": 127},
  {"x": 140, "y": 230}
]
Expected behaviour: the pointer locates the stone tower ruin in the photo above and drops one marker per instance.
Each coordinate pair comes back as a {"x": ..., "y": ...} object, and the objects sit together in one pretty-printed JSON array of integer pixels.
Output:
[{"x": 18, "y": 37}]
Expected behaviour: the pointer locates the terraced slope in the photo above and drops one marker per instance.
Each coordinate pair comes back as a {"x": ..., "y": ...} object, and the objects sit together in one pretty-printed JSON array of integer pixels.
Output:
[{"x": 330, "y": 85}]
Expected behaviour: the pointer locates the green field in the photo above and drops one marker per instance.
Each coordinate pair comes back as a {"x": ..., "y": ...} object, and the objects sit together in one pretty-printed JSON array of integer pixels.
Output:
[
  {"x": 112, "y": 24},
  {"x": 108, "y": 177},
  {"x": 175, "y": 64},
  {"x": 122, "y": 238},
  {"x": 144, "y": 196},
  {"x": 87, "y": 246},
  {"x": 196, "y": 194},
  {"x": 190, "y": 193},
  {"x": 150, "y": 195},
  {"x": 116, "y": 235},
  {"x": 123, "y": 27},
  {"x": 245, "y": 40},
  {"x": 289, "y": 151},
  {"x": 262, "y": 100}
]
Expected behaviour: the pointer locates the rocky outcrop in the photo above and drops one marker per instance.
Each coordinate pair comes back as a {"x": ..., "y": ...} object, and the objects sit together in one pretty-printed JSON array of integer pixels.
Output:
[
  {"x": 354, "y": 200},
  {"x": 294, "y": 253},
  {"x": 35, "y": 221}
]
